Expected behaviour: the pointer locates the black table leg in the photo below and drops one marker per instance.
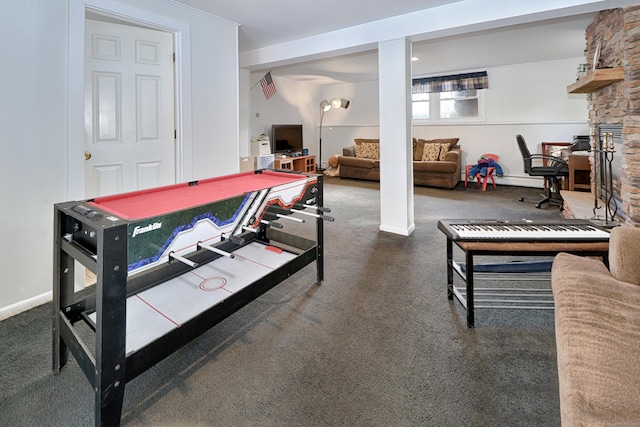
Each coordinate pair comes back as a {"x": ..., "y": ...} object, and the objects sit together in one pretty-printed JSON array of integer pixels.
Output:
[
  {"x": 469, "y": 298},
  {"x": 449, "y": 269}
]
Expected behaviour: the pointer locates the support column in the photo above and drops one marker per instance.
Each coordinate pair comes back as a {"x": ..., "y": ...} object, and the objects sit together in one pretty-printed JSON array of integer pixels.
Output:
[{"x": 396, "y": 148}]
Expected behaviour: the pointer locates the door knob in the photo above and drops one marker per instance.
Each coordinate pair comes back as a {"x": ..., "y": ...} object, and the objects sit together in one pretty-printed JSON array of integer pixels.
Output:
[{"x": 87, "y": 155}]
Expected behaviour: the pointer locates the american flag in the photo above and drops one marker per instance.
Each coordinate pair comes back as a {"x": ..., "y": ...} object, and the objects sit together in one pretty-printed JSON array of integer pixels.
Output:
[{"x": 268, "y": 87}]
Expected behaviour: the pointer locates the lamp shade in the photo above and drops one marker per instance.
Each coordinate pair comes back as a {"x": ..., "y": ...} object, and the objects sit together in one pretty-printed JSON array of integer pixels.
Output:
[
  {"x": 325, "y": 106},
  {"x": 344, "y": 103}
]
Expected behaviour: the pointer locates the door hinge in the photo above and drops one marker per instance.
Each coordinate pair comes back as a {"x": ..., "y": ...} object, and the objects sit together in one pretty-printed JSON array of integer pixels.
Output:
[{"x": 175, "y": 134}]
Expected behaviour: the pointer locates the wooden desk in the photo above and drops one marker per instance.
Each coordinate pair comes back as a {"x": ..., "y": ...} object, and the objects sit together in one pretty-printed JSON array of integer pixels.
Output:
[
  {"x": 304, "y": 164},
  {"x": 579, "y": 171}
]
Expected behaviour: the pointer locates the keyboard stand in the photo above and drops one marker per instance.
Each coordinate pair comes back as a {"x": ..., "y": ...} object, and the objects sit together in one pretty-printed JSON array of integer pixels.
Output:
[{"x": 506, "y": 248}]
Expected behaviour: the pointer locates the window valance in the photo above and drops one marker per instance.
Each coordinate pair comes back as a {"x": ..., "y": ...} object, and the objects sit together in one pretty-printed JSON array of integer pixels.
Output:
[{"x": 452, "y": 83}]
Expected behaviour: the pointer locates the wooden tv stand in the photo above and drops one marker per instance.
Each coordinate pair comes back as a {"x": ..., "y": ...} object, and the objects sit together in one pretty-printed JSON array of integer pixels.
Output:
[{"x": 304, "y": 164}]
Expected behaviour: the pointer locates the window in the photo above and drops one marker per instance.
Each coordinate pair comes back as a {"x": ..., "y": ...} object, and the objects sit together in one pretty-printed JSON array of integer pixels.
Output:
[
  {"x": 420, "y": 102},
  {"x": 449, "y": 98},
  {"x": 459, "y": 104}
]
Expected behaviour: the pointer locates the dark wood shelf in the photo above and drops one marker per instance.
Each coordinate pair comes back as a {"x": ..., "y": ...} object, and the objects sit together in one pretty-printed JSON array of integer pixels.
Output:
[{"x": 596, "y": 80}]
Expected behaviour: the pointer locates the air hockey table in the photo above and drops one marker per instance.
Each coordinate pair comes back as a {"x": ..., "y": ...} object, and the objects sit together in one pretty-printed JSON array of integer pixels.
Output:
[{"x": 172, "y": 262}]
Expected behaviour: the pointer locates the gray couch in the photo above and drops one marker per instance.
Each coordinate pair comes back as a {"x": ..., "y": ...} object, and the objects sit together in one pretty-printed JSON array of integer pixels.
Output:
[
  {"x": 597, "y": 322},
  {"x": 443, "y": 172}
]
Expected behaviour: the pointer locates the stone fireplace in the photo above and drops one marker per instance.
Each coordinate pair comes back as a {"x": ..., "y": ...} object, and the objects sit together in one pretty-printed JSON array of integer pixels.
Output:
[{"x": 618, "y": 105}]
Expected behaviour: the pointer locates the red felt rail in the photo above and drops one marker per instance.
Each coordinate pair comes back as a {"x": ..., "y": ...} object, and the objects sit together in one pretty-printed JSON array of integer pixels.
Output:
[{"x": 163, "y": 200}]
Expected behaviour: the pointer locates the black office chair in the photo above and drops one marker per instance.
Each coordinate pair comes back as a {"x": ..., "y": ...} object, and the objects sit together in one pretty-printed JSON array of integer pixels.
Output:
[{"x": 555, "y": 169}]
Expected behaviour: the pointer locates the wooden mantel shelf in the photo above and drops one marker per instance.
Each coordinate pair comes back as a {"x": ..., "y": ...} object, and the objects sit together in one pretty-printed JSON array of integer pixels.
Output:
[{"x": 596, "y": 79}]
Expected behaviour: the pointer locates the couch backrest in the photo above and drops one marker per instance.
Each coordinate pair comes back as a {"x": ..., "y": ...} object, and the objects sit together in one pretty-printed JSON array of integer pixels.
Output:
[
  {"x": 419, "y": 146},
  {"x": 624, "y": 254},
  {"x": 367, "y": 148}
]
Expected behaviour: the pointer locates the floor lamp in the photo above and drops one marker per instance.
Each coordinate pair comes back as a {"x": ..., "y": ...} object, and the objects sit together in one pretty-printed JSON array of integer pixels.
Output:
[{"x": 325, "y": 106}]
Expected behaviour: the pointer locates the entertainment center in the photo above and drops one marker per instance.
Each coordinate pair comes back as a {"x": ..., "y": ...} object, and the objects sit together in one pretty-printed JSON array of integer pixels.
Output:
[
  {"x": 287, "y": 145},
  {"x": 304, "y": 164}
]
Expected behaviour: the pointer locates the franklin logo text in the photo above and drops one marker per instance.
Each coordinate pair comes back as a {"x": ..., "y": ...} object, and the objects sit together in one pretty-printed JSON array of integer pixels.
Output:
[{"x": 140, "y": 230}]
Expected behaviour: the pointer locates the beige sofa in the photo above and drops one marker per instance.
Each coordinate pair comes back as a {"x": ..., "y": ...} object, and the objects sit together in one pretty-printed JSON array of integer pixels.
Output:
[
  {"x": 597, "y": 314},
  {"x": 436, "y": 163}
]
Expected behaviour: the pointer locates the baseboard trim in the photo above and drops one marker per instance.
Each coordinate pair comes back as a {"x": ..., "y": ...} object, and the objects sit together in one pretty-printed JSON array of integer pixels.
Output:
[
  {"x": 518, "y": 181},
  {"x": 25, "y": 305}
]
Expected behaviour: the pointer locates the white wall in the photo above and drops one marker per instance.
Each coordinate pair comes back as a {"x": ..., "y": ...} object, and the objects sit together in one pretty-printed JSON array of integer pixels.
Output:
[
  {"x": 527, "y": 99},
  {"x": 294, "y": 103},
  {"x": 215, "y": 93},
  {"x": 360, "y": 120},
  {"x": 35, "y": 136},
  {"x": 299, "y": 102},
  {"x": 530, "y": 99},
  {"x": 33, "y": 169}
]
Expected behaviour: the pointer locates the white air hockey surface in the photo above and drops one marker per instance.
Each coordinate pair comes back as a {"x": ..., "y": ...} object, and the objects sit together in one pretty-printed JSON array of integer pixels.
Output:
[{"x": 158, "y": 310}]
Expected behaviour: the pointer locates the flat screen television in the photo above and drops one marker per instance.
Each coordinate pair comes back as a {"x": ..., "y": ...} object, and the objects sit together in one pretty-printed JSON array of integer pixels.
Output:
[{"x": 286, "y": 138}]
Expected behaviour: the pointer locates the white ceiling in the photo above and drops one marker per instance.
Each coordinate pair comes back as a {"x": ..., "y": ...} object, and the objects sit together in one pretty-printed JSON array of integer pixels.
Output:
[
  {"x": 263, "y": 24},
  {"x": 266, "y": 23},
  {"x": 543, "y": 41}
]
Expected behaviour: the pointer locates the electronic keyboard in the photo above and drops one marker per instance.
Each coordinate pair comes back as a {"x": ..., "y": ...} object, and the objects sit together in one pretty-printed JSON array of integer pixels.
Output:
[{"x": 561, "y": 230}]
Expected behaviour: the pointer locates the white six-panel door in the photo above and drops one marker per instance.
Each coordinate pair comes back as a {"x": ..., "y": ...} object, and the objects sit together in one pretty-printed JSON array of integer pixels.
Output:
[{"x": 129, "y": 108}]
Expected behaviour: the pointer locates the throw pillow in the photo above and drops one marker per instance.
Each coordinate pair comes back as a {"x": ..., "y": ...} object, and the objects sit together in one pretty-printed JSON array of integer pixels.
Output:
[
  {"x": 431, "y": 152},
  {"x": 370, "y": 150},
  {"x": 449, "y": 141},
  {"x": 444, "y": 149},
  {"x": 418, "y": 145},
  {"x": 359, "y": 141}
]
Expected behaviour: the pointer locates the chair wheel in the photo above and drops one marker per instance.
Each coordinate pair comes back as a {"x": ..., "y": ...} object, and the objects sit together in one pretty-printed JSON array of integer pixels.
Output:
[
  {"x": 538, "y": 205},
  {"x": 521, "y": 199}
]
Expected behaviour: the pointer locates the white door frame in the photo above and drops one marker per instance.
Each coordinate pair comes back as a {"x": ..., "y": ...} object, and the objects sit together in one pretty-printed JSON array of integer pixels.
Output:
[{"x": 75, "y": 84}]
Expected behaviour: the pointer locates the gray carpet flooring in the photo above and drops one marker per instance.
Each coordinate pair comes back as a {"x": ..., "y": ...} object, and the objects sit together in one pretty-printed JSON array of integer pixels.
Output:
[{"x": 377, "y": 344}]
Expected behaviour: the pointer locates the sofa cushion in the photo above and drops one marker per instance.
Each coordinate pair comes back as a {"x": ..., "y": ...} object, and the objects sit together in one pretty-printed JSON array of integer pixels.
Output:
[
  {"x": 357, "y": 162},
  {"x": 624, "y": 253},
  {"x": 435, "y": 166}
]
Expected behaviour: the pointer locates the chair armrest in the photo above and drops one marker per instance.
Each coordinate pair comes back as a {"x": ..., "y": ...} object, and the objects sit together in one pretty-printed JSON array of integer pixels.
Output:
[
  {"x": 349, "y": 151},
  {"x": 452, "y": 155},
  {"x": 553, "y": 159},
  {"x": 624, "y": 250},
  {"x": 553, "y": 162}
]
